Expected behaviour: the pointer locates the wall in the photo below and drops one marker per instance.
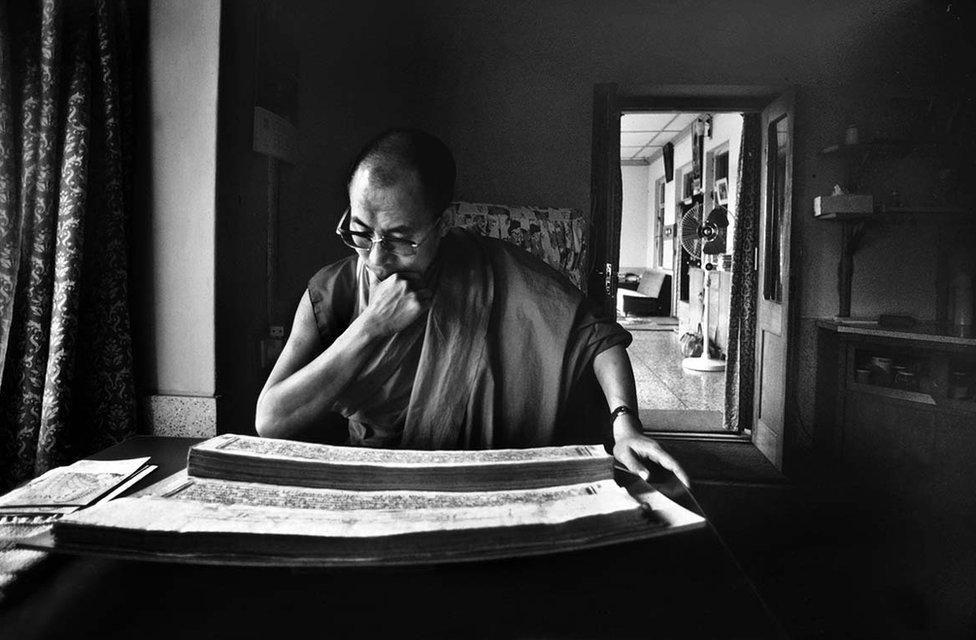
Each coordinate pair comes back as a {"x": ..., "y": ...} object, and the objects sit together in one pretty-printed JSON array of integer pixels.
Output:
[
  {"x": 173, "y": 273},
  {"x": 636, "y": 219},
  {"x": 656, "y": 172},
  {"x": 726, "y": 134},
  {"x": 508, "y": 85},
  {"x": 727, "y": 130},
  {"x": 242, "y": 215},
  {"x": 347, "y": 89},
  {"x": 895, "y": 268},
  {"x": 350, "y": 89}
]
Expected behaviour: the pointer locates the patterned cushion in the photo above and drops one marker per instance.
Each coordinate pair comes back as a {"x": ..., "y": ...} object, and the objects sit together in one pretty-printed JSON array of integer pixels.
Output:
[{"x": 560, "y": 237}]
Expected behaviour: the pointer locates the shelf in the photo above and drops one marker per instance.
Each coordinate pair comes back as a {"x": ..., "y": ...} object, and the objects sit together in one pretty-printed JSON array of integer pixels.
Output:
[
  {"x": 888, "y": 392},
  {"x": 938, "y": 404},
  {"x": 938, "y": 334},
  {"x": 958, "y": 406},
  {"x": 882, "y": 147},
  {"x": 923, "y": 213}
]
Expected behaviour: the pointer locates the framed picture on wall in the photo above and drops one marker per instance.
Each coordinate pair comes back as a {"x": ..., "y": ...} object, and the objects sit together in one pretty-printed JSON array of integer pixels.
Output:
[
  {"x": 687, "y": 184},
  {"x": 722, "y": 191}
]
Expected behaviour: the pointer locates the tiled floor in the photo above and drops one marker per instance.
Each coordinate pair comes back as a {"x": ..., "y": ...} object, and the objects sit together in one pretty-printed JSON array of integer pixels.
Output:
[{"x": 678, "y": 399}]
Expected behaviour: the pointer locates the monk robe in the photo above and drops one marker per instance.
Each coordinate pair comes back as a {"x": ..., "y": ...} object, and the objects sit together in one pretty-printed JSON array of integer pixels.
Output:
[{"x": 503, "y": 357}]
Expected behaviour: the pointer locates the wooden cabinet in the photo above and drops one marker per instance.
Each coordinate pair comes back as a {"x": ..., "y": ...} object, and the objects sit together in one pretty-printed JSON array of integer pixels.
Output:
[{"x": 889, "y": 433}]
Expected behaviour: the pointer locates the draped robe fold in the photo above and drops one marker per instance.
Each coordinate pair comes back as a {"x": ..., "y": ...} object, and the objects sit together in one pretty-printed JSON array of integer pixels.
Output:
[{"x": 503, "y": 358}]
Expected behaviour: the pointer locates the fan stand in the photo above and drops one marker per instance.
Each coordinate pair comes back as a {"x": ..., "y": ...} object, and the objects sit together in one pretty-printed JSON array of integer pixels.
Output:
[{"x": 703, "y": 362}]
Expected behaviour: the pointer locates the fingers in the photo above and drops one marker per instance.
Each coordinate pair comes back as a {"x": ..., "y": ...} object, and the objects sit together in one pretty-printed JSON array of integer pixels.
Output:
[
  {"x": 398, "y": 301},
  {"x": 415, "y": 281},
  {"x": 425, "y": 298},
  {"x": 415, "y": 284},
  {"x": 637, "y": 454},
  {"x": 661, "y": 457},
  {"x": 411, "y": 277},
  {"x": 416, "y": 287},
  {"x": 672, "y": 465},
  {"x": 407, "y": 285},
  {"x": 634, "y": 464}
]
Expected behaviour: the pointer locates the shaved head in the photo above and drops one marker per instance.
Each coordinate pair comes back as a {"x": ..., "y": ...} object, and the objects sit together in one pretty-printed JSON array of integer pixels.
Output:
[{"x": 399, "y": 156}]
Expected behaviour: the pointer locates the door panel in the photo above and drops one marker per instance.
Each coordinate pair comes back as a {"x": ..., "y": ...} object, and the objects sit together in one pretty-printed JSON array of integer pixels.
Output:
[
  {"x": 774, "y": 263},
  {"x": 772, "y": 404},
  {"x": 605, "y": 199}
]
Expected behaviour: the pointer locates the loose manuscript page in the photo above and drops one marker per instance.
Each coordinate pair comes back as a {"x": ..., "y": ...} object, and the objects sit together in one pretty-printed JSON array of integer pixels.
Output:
[{"x": 76, "y": 485}]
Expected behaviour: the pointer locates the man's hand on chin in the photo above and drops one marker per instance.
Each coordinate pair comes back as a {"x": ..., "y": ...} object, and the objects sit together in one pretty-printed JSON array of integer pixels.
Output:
[
  {"x": 397, "y": 302},
  {"x": 637, "y": 452}
]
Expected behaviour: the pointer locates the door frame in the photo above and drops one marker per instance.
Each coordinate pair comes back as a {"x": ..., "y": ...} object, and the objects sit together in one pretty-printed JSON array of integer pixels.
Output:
[
  {"x": 610, "y": 101},
  {"x": 771, "y": 317}
]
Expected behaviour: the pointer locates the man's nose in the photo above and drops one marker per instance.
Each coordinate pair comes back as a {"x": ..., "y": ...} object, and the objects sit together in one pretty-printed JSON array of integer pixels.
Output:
[{"x": 378, "y": 253}]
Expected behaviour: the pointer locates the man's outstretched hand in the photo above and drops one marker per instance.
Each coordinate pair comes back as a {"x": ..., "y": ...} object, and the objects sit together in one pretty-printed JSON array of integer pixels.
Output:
[
  {"x": 631, "y": 447},
  {"x": 637, "y": 452}
]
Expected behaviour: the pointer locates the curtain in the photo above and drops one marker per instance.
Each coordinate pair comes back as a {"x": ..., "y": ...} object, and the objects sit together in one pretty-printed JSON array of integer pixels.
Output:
[
  {"x": 740, "y": 366},
  {"x": 66, "y": 382}
]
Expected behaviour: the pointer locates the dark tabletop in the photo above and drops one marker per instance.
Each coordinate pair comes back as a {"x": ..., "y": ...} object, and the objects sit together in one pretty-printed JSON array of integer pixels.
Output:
[{"x": 686, "y": 585}]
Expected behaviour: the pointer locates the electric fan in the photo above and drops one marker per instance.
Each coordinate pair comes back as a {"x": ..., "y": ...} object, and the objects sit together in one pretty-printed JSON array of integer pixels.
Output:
[{"x": 704, "y": 237}]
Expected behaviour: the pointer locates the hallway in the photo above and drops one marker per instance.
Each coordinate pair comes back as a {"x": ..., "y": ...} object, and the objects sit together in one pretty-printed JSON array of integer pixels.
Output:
[{"x": 669, "y": 397}]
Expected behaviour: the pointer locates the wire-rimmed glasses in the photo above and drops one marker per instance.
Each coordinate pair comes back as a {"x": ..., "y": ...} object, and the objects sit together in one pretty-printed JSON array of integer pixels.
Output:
[{"x": 361, "y": 240}]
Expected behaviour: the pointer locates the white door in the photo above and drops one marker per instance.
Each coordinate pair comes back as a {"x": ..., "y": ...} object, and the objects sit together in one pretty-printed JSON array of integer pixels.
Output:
[{"x": 774, "y": 267}]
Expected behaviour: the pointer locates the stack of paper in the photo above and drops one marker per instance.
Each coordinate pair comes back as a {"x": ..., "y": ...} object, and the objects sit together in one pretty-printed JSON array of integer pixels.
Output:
[
  {"x": 514, "y": 509},
  {"x": 64, "y": 490},
  {"x": 246, "y": 458}
]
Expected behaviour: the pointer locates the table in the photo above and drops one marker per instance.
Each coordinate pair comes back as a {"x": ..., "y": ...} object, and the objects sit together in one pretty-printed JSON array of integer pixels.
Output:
[{"x": 685, "y": 585}]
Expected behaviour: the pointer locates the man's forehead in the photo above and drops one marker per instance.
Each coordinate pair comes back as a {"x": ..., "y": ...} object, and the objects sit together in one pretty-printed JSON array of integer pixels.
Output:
[{"x": 392, "y": 204}]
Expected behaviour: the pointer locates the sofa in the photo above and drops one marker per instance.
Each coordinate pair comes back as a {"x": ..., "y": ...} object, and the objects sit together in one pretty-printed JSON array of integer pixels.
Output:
[{"x": 652, "y": 297}]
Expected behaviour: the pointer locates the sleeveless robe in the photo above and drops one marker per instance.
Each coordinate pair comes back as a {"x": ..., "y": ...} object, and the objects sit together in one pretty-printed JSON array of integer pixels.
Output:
[{"x": 503, "y": 358}]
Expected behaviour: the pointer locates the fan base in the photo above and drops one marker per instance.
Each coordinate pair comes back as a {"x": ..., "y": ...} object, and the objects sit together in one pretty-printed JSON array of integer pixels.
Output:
[{"x": 703, "y": 364}]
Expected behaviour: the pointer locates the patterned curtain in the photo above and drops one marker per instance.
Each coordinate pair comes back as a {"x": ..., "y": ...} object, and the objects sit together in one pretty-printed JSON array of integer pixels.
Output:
[
  {"x": 740, "y": 366},
  {"x": 66, "y": 383}
]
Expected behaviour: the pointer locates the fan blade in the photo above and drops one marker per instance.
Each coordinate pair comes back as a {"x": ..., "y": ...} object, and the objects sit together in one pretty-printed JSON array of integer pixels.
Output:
[{"x": 691, "y": 241}]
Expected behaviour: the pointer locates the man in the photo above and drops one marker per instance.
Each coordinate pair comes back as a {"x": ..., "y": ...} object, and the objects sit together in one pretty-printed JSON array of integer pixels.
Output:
[{"x": 436, "y": 339}]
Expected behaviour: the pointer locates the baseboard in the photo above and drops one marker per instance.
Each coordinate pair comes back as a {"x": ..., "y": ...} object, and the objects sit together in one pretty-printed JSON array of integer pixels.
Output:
[
  {"x": 180, "y": 416},
  {"x": 697, "y": 435}
]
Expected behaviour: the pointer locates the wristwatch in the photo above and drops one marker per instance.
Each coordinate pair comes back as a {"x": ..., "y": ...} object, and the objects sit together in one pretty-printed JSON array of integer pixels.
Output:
[{"x": 622, "y": 409}]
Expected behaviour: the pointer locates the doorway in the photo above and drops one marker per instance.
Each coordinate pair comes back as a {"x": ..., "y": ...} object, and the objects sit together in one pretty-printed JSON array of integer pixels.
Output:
[
  {"x": 701, "y": 179},
  {"x": 675, "y": 171}
]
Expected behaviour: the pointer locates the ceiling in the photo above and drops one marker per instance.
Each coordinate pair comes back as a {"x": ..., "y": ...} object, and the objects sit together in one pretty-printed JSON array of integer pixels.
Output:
[{"x": 643, "y": 134}]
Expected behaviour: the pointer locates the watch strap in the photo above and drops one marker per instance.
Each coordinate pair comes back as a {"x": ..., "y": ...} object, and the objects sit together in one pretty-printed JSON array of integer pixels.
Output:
[{"x": 622, "y": 409}]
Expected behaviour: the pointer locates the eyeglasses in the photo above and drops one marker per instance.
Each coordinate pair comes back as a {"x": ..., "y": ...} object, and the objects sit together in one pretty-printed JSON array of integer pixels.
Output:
[{"x": 361, "y": 240}]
